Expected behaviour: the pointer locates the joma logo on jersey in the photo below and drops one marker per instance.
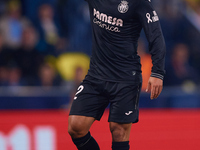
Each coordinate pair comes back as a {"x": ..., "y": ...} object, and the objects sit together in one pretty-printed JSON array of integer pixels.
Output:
[{"x": 108, "y": 19}]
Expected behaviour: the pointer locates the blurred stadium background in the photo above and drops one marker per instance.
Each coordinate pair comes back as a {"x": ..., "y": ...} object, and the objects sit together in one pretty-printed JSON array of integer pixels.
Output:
[{"x": 44, "y": 54}]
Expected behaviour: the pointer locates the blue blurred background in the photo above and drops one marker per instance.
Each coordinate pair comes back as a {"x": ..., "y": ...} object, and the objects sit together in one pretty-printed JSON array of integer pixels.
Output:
[{"x": 45, "y": 48}]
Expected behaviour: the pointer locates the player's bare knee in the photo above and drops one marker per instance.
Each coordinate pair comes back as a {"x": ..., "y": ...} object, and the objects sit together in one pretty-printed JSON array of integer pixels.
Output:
[
  {"x": 118, "y": 132},
  {"x": 118, "y": 135},
  {"x": 79, "y": 126},
  {"x": 76, "y": 131},
  {"x": 75, "y": 128}
]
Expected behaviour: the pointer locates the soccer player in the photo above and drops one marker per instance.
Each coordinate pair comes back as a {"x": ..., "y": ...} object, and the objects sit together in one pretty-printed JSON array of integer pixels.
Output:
[{"x": 114, "y": 76}]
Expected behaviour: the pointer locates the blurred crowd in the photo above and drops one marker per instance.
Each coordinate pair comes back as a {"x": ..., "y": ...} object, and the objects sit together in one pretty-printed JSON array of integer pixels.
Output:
[
  {"x": 42, "y": 43},
  {"x": 34, "y": 44}
]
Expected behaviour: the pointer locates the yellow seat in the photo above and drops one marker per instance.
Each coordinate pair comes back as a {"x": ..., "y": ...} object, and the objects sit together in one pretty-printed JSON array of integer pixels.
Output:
[{"x": 67, "y": 64}]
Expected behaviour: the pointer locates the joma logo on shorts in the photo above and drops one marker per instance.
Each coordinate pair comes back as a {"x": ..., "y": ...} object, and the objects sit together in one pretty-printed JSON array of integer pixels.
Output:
[{"x": 130, "y": 112}]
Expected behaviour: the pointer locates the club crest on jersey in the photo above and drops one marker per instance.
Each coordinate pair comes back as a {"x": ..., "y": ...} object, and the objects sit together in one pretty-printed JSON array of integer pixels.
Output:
[{"x": 123, "y": 6}]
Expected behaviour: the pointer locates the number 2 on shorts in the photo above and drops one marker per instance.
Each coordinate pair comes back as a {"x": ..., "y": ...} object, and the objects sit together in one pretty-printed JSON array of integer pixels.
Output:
[{"x": 80, "y": 89}]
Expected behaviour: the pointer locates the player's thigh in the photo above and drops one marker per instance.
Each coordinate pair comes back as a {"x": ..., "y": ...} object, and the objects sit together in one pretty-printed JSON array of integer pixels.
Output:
[
  {"x": 120, "y": 131},
  {"x": 79, "y": 126}
]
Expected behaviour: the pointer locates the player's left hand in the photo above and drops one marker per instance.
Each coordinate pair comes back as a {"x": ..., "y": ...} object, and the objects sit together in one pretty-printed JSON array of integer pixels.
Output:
[{"x": 155, "y": 85}]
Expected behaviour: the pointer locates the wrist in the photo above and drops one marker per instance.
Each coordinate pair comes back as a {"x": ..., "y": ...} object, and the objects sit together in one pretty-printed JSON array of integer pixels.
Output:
[{"x": 157, "y": 75}]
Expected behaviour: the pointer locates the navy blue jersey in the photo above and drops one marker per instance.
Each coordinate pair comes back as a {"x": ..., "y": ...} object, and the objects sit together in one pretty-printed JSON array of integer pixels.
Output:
[{"x": 116, "y": 27}]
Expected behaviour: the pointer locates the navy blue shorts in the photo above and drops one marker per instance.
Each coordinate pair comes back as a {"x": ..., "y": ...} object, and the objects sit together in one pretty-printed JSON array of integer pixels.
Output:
[{"x": 94, "y": 95}]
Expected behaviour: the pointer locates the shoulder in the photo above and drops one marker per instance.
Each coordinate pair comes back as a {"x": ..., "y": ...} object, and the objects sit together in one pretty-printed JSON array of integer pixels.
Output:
[
  {"x": 143, "y": 3},
  {"x": 144, "y": 6}
]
